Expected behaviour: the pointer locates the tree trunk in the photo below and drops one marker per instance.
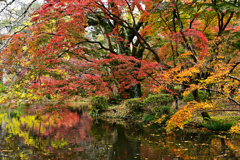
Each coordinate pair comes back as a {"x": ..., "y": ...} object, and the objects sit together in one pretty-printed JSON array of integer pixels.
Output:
[
  {"x": 137, "y": 91},
  {"x": 176, "y": 102},
  {"x": 134, "y": 91},
  {"x": 205, "y": 115},
  {"x": 4, "y": 77},
  {"x": 196, "y": 95}
]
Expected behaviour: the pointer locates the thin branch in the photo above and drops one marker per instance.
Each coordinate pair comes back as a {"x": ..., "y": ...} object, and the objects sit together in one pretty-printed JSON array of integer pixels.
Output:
[
  {"x": 99, "y": 43},
  {"x": 191, "y": 22},
  {"x": 134, "y": 22},
  {"x": 233, "y": 77},
  {"x": 165, "y": 23},
  {"x": 127, "y": 25},
  {"x": 16, "y": 22},
  {"x": 88, "y": 60},
  {"x": 8, "y": 4},
  {"x": 8, "y": 40},
  {"x": 233, "y": 100},
  {"x": 182, "y": 33},
  {"x": 224, "y": 110},
  {"x": 234, "y": 66},
  {"x": 229, "y": 19}
]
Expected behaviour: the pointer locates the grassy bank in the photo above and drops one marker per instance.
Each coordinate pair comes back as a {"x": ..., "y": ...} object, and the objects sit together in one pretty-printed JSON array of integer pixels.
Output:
[{"x": 220, "y": 121}]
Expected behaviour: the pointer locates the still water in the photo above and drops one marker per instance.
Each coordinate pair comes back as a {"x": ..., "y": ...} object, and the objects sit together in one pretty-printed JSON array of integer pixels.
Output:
[{"x": 70, "y": 135}]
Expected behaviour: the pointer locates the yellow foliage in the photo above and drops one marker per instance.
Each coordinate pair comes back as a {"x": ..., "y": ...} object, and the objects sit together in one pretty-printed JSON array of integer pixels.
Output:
[
  {"x": 235, "y": 128},
  {"x": 192, "y": 88},
  {"x": 186, "y": 54},
  {"x": 184, "y": 115},
  {"x": 27, "y": 23},
  {"x": 160, "y": 120}
]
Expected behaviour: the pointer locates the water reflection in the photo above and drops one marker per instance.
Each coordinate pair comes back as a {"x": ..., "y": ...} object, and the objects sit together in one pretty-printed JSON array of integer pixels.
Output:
[{"x": 65, "y": 134}]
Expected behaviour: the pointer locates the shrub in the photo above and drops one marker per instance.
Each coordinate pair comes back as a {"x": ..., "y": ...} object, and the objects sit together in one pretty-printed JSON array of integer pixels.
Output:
[
  {"x": 158, "y": 104},
  {"x": 189, "y": 97},
  {"x": 218, "y": 125},
  {"x": 134, "y": 105},
  {"x": 203, "y": 95},
  {"x": 165, "y": 110},
  {"x": 114, "y": 99},
  {"x": 158, "y": 100},
  {"x": 161, "y": 110},
  {"x": 98, "y": 103},
  {"x": 148, "y": 117}
]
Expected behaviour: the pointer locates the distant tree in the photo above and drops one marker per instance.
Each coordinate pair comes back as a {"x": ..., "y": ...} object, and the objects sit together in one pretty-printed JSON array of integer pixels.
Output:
[{"x": 14, "y": 19}]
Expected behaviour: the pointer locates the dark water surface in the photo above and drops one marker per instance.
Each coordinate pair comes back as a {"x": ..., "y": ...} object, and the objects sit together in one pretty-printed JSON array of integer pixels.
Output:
[{"x": 72, "y": 135}]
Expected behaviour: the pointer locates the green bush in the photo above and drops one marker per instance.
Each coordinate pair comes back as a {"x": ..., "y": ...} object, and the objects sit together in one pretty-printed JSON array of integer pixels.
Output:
[
  {"x": 165, "y": 110},
  {"x": 218, "y": 125},
  {"x": 98, "y": 103},
  {"x": 161, "y": 110},
  {"x": 134, "y": 105},
  {"x": 202, "y": 95},
  {"x": 114, "y": 99},
  {"x": 158, "y": 100},
  {"x": 148, "y": 118},
  {"x": 158, "y": 104},
  {"x": 189, "y": 97}
]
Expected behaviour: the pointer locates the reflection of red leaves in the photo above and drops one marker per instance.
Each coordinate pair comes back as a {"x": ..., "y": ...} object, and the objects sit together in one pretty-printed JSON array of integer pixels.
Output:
[
  {"x": 65, "y": 124},
  {"x": 78, "y": 149}
]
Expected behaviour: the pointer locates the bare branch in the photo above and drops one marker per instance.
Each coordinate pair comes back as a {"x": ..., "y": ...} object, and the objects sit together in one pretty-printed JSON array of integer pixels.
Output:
[
  {"x": 129, "y": 7},
  {"x": 99, "y": 43},
  {"x": 233, "y": 100},
  {"x": 8, "y": 4},
  {"x": 233, "y": 77},
  {"x": 182, "y": 33},
  {"x": 234, "y": 66}
]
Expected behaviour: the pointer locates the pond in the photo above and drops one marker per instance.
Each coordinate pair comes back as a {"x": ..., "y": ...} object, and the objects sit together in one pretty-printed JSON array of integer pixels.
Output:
[{"x": 75, "y": 135}]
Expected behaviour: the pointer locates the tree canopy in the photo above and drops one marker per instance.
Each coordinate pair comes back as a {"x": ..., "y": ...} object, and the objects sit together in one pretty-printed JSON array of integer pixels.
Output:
[{"x": 127, "y": 47}]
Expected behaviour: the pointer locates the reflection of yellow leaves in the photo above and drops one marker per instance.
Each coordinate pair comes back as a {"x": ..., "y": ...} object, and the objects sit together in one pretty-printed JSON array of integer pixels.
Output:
[
  {"x": 14, "y": 127},
  {"x": 58, "y": 143}
]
